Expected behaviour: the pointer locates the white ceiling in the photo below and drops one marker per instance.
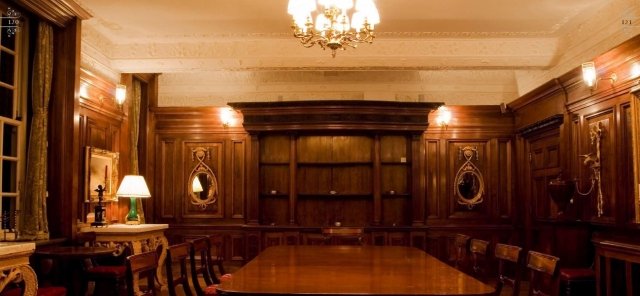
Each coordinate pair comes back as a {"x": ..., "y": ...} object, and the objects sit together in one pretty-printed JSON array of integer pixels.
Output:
[{"x": 506, "y": 43}]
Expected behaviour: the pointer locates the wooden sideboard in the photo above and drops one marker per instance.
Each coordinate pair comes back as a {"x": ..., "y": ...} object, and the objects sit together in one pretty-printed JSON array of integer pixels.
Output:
[
  {"x": 14, "y": 266},
  {"x": 139, "y": 238}
]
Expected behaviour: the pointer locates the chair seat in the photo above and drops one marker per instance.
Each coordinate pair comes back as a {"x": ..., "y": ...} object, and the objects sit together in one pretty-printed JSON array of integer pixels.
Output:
[
  {"x": 574, "y": 274},
  {"x": 43, "y": 291},
  {"x": 107, "y": 271},
  {"x": 211, "y": 290}
]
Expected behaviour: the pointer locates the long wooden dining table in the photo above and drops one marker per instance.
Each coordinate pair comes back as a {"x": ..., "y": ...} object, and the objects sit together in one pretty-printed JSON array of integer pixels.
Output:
[{"x": 349, "y": 270}]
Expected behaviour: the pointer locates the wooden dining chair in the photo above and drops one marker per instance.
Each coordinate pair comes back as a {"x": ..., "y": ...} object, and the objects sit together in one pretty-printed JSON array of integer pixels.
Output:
[
  {"x": 461, "y": 245},
  {"x": 178, "y": 255},
  {"x": 508, "y": 257},
  {"x": 544, "y": 269},
  {"x": 344, "y": 235},
  {"x": 106, "y": 276},
  {"x": 479, "y": 260},
  {"x": 199, "y": 257},
  {"x": 216, "y": 256},
  {"x": 142, "y": 266}
]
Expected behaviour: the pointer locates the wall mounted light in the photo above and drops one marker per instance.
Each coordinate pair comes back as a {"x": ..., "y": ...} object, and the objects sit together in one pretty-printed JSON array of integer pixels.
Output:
[
  {"x": 226, "y": 117},
  {"x": 444, "y": 116},
  {"x": 635, "y": 71},
  {"x": 121, "y": 94},
  {"x": 590, "y": 75}
]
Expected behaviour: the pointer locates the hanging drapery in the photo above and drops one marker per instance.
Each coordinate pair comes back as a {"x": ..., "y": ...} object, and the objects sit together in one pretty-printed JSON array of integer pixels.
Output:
[
  {"x": 134, "y": 117},
  {"x": 33, "y": 223}
]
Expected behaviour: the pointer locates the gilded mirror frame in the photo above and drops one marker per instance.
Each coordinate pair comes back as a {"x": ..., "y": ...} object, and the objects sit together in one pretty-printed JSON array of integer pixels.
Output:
[
  {"x": 202, "y": 192},
  {"x": 468, "y": 168},
  {"x": 100, "y": 168}
]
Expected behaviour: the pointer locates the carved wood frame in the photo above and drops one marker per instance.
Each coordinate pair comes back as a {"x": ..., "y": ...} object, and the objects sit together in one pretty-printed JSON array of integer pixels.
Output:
[{"x": 635, "y": 128}]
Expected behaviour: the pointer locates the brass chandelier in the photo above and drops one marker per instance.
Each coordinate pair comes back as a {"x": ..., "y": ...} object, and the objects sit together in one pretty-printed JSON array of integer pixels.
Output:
[{"x": 332, "y": 28}]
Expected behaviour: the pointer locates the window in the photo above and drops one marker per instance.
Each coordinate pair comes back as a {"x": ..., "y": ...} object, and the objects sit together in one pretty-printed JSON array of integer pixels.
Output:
[{"x": 12, "y": 113}]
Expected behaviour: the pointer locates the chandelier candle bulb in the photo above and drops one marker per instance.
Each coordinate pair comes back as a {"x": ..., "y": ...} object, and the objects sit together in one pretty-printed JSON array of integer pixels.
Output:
[{"x": 333, "y": 28}]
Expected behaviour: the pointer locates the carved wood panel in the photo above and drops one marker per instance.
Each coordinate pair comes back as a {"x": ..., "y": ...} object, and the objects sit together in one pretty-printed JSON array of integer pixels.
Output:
[
  {"x": 213, "y": 152},
  {"x": 457, "y": 160}
]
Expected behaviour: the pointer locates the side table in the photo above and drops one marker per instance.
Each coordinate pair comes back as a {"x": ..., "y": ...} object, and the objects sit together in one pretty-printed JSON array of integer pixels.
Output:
[{"x": 14, "y": 266}]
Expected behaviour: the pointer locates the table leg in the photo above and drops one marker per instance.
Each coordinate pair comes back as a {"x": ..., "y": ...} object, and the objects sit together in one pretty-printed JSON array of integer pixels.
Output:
[{"x": 16, "y": 274}]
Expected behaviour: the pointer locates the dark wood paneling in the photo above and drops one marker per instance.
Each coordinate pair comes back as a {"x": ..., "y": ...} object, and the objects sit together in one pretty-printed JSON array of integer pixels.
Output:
[
  {"x": 434, "y": 182},
  {"x": 165, "y": 187},
  {"x": 238, "y": 180}
]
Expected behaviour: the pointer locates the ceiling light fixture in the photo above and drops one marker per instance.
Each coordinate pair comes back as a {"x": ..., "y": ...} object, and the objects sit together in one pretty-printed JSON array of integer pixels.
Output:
[{"x": 332, "y": 28}]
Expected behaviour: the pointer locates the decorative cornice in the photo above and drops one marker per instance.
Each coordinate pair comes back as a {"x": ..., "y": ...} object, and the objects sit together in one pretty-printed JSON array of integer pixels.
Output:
[
  {"x": 58, "y": 12},
  {"x": 334, "y": 115},
  {"x": 542, "y": 125}
]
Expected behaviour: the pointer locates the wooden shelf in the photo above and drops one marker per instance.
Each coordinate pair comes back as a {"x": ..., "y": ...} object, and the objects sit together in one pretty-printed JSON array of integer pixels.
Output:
[
  {"x": 334, "y": 164},
  {"x": 274, "y": 163},
  {"x": 407, "y": 163},
  {"x": 277, "y": 195},
  {"x": 398, "y": 195},
  {"x": 335, "y": 196}
]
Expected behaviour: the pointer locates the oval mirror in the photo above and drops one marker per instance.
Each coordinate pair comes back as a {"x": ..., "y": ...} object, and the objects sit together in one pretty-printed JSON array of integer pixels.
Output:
[
  {"x": 468, "y": 185},
  {"x": 201, "y": 185}
]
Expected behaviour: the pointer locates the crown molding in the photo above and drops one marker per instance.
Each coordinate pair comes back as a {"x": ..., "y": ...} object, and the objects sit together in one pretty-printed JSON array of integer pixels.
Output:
[{"x": 58, "y": 12}]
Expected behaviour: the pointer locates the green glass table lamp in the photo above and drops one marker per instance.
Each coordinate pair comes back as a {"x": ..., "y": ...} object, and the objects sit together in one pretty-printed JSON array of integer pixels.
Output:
[{"x": 133, "y": 187}]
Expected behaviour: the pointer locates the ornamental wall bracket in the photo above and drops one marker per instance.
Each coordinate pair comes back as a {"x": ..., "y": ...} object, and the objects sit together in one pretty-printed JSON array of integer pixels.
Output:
[
  {"x": 592, "y": 160},
  {"x": 469, "y": 183}
]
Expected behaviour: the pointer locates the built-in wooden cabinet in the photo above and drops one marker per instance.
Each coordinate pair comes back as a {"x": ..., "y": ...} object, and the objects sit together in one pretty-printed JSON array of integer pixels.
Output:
[
  {"x": 319, "y": 163},
  {"x": 336, "y": 178}
]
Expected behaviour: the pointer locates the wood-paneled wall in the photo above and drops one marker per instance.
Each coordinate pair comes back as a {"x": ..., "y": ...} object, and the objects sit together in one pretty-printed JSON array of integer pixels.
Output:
[
  {"x": 553, "y": 125},
  {"x": 103, "y": 125},
  {"x": 177, "y": 130}
]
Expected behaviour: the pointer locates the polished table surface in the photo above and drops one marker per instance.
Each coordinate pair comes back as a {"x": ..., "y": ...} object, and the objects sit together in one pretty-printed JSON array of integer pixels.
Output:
[{"x": 350, "y": 270}]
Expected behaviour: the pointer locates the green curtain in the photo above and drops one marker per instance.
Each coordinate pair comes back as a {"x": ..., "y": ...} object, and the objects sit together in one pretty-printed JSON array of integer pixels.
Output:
[
  {"x": 134, "y": 117},
  {"x": 33, "y": 218}
]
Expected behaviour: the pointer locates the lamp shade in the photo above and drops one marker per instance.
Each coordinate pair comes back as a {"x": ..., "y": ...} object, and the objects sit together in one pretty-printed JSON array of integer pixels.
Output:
[{"x": 133, "y": 186}]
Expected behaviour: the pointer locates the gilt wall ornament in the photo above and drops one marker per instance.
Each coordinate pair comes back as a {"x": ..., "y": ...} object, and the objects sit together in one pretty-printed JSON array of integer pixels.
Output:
[
  {"x": 469, "y": 184},
  {"x": 202, "y": 187}
]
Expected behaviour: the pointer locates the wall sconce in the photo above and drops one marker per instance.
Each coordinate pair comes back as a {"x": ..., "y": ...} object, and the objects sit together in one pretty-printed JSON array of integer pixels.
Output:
[
  {"x": 590, "y": 75},
  {"x": 121, "y": 94},
  {"x": 444, "y": 116},
  {"x": 635, "y": 71},
  {"x": 596, "y": 131},
  {"x": 226, "y": 117}
]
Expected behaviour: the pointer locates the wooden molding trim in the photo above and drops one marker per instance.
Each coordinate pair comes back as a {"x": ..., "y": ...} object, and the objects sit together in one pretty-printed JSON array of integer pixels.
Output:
[
  {"x": 335, "y": 115},
  {"x": 58, "y": 12},
  {"x": 542, "y": 125}
]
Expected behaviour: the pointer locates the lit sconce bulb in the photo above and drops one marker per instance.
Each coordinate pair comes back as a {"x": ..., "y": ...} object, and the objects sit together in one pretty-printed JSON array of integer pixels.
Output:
[
  {"x": 121, "y": 93},
  {"x": 444, "y": 116},
  {"x": 635, "y": 70},
  {"x": 589, "y": 74},
  {"x": 226, "y": 117}
]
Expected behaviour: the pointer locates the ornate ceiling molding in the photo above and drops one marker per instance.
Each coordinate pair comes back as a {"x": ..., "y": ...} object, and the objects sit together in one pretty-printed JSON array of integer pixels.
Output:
[{"x": 58, "y": 12}]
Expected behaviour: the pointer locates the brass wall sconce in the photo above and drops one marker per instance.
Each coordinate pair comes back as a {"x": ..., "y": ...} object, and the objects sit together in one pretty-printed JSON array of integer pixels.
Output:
[
  {"x": 590, "y": 75},
  {"x": 444, "y": 116},
  {"x": 226, "y": 117},
  {"x": 121, "y": 94},
  {"x": 635, "y": 71},
  {"x": 593, "y": 161}
]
